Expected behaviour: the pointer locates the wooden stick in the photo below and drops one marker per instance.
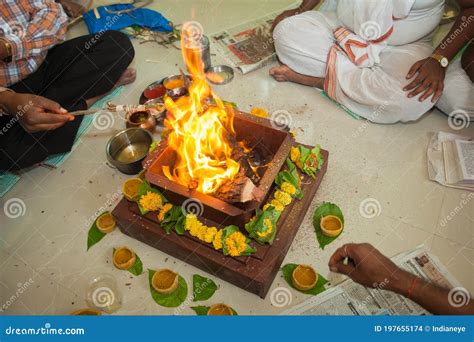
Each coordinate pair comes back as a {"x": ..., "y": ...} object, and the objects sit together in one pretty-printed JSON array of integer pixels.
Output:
[{"x": 84, "y": 112}]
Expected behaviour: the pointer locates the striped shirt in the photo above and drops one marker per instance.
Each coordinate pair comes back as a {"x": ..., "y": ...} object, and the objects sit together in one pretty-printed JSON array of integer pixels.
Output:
[{"x": 32, "y": 27}]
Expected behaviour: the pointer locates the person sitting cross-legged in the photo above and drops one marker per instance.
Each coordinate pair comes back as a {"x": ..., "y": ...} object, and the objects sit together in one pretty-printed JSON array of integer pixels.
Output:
[
  {"x": 44, "y": 77},
  {"x": 359, "y": 52}
]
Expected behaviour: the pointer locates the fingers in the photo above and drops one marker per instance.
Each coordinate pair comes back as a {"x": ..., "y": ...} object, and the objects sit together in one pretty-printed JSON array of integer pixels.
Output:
[
  {"x": 344, "y": 269},
  {"x": 50, "y": 105},
  {"x": 413, "y": 84},
  {"x": 36, "y": 120},
  {"x": 346, "y": 251},
  {"x": 414, "y": 69},
  {"x": 421, "y": 88},
  {"x": 430, "y": 91}
]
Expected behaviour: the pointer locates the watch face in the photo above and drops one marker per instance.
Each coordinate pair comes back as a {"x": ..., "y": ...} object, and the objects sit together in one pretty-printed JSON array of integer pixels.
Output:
[{"x": 444, "y": 62}]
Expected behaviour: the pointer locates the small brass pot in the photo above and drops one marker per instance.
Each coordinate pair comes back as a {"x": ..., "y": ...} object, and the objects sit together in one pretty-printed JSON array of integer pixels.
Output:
[{"x": 141, "y": 119}]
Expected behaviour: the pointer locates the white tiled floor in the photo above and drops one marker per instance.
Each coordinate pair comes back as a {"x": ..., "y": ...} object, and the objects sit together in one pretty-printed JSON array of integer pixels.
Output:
[{"x": 386, "y": 163}]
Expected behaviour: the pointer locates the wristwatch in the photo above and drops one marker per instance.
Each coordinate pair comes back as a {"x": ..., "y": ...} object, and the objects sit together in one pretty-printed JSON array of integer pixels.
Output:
[{"x": 443, "y": 61}]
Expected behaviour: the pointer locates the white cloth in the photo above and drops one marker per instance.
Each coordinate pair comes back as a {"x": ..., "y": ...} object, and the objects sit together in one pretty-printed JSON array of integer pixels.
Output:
[
  {"x": 458, "y": 93},
  {"x": 371, "y": 88}
]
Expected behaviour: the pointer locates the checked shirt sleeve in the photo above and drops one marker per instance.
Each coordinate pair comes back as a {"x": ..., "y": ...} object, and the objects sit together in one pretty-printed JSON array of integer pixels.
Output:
[{"x": 47, "y": 27}]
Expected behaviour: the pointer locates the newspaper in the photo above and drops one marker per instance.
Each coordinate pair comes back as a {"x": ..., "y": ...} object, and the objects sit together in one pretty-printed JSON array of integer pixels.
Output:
[
  {"x": 437, "y": 162},
  {"x": 247, "y": 46},
  {"x": 350, "y": 298}
]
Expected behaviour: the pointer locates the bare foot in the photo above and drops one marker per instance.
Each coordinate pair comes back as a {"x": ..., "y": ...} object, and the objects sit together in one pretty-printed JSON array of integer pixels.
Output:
[
  {"x": 128, "y": 76},
  {"x": 283, "y": 73}
]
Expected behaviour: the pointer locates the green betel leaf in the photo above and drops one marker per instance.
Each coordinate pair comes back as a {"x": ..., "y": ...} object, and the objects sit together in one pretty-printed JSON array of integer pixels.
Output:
[
  {"x": 94, "y": 235},
  {"x": 287, "y": 271},
  {"x": 153, "y": 146},
  {"x": 179, "y": 228},
  {"x": 200, "y": 310},
  {"x": 137, "y": 267},
  {"x": 264, "y": 220},
  {"x": 310, "y": 161},
  {"x": 325, "y": 209},
  {"x": 173, "y": 299},
  {"x": 290, "y": 176},
  {"x": 172, "y": 218},
  {"x": 226, "y": 232},
  {"x": 203, "y": 288}
]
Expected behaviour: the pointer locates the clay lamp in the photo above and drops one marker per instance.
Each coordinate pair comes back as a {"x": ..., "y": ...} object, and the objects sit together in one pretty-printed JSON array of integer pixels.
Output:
[
  {"x": 124, "y": 258},
  {"x": 130, "y": 188},
  {"x": 331, "y": 225},
  {"x": 165, "y": 281},
  {"x": 105, "y": 223},
  {"x": 304, "y": 277},
  {"x": 220, "y": 310},
  {"x": 86, "y": 312}
]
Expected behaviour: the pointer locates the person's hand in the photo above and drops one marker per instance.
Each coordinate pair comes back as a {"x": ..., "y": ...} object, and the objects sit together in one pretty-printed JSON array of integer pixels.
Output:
[
  {"x": 73, "y": 10},
  {"x": 428, "y": 82},
  {"x": 367, "y": 266},
  {"x": 36, "y": 113},
  {"x": 284, "y": 15}
]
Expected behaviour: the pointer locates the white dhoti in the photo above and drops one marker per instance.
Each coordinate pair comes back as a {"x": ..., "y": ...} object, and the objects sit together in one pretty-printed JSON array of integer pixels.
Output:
[
  {"x": 351, "y": 49},
  {"x": 458, "y": 93}
]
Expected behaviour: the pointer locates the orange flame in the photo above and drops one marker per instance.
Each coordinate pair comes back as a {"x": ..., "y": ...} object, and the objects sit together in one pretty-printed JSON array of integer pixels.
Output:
[{"x": 199, "y": 134}]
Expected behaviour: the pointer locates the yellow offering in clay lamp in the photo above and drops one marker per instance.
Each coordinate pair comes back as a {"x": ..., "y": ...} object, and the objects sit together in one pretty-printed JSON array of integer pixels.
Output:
[
  {"x": 124, "y": 258},
  {"x": 220, "y": 310},
  {"x": 304, "y": 277},
  {"x": 106, "y": 223},
  {"x": 86, "y": 312},
  {"x": 331, "y": 225},
  {"x": 165, "y": 281},
  {"x": 130, "y": 188}
]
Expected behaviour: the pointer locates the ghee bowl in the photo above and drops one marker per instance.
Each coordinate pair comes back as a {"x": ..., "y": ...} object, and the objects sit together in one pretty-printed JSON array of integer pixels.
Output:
[{"x": 127, "y": 149}]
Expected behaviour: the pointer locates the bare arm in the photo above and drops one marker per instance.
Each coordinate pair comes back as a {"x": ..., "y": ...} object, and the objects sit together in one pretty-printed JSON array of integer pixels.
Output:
[
  {"x": 461, "y": 32},
  {"x": 307, "y": 5},
  {"x": 35, "y": 113},
  {"x": 369, "y": 267}
]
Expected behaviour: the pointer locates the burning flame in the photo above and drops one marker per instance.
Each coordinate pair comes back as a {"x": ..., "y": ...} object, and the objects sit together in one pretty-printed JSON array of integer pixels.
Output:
[{"x": 199, "y": 134}]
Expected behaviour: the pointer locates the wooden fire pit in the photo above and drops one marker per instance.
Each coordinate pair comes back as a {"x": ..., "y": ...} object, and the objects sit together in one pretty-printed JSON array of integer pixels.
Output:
[
  {"x": 259, "y": 134},
  {"x": 254, "y": 273}
]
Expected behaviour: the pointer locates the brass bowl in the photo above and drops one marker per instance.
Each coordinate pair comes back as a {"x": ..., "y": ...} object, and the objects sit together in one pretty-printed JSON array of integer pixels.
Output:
[{"x": 128, "y": 148}]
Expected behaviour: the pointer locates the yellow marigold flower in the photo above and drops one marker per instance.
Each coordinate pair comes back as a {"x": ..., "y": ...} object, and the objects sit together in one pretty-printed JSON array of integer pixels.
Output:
[
  {"x": 166, "y": 208},
  {"x": 196, "y": 229},
  {"x": 236, "y": 243},
  {"x": 288, "y": 188},
  {"x": 201, "y": 234},
  {"x": 295, "y": 154},
  {"x": 268, "y": 231},
  {"x": 151, "y": 201},
  {"x": 265, "y": 207},
  {"x": 210, "y": 234},
  {"x": 259, "y": 112},
  {"x": 277, "y": 205},
  {"x": 283, "y": 197},
  {"x": 191, "y": 220},
  {"x": 217, "y": 242}
]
